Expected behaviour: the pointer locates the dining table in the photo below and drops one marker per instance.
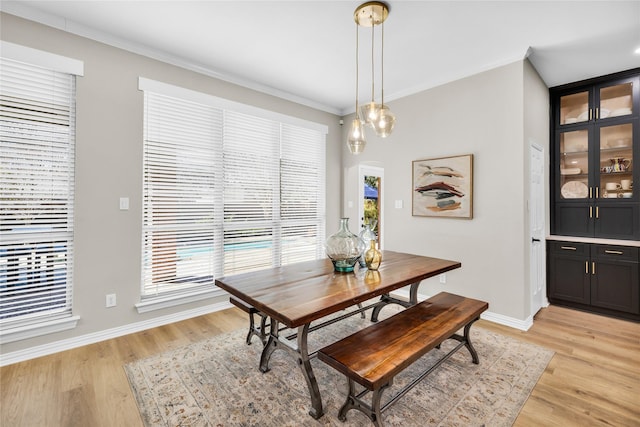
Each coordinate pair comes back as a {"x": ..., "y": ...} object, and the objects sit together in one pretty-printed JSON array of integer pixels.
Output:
[{"x": 296, "y": 295}]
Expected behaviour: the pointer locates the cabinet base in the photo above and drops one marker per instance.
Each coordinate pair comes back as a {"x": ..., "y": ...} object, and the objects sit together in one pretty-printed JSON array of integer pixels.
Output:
[{"x": 596, "y": 310}]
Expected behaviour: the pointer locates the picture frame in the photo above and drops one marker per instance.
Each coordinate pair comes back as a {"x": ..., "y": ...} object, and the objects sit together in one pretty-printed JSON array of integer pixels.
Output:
[{"x": 443, "y": 187}]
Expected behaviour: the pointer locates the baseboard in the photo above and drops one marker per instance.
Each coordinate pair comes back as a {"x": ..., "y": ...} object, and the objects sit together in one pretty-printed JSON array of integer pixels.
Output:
[
  {"x": 500, "y": 319},
  {"x": 68, "y": 344}
]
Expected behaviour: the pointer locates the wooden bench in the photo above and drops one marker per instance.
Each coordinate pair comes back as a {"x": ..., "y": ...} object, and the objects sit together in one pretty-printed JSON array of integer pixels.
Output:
[
  {"x": 372, "y": 357},
  {"x": 260, "y": 331}
]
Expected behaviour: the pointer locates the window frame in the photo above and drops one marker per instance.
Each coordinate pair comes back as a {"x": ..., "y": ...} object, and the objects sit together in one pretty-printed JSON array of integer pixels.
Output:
[
  {"x": 220, "y": 226},
  {"x": 60, "y": 319}
]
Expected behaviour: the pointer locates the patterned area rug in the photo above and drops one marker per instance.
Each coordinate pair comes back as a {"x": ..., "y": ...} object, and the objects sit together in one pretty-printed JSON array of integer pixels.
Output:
[{"x": 217, "y": 382}]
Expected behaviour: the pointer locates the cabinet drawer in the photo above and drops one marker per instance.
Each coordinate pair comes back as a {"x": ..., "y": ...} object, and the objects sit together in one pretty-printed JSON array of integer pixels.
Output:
[
  {"x": 569, "y": 248},
  {"x": 620, "y": 253}
]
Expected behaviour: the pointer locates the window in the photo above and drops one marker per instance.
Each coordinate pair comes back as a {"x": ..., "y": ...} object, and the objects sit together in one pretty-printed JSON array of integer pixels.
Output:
[
  {"x": 228, "y": 188},
  {"x": 37, "y": 141}
]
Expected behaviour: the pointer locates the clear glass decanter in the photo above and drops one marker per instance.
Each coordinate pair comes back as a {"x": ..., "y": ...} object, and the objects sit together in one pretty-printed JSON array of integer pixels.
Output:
[{"x": 344, "y": 248}]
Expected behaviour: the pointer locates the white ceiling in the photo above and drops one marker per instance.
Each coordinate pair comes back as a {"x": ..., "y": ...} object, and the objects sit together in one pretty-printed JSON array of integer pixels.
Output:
[{"x": 305, "y": 50}]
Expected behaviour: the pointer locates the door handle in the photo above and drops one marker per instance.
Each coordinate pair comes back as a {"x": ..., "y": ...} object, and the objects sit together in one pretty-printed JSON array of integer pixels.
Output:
[{"x": 533, "y": 239}]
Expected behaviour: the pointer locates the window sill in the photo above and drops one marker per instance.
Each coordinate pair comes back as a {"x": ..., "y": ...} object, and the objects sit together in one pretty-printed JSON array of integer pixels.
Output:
[
  {"x": 159, "y": 303},
  {"x": 37, "y": 329}
]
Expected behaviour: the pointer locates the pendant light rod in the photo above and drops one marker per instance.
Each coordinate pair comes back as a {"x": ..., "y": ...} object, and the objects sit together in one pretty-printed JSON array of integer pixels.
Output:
[
  {"x": 373, "y": 80},
  {"x": 357, "y": 66},
  {"x": 381, "y": 64}
]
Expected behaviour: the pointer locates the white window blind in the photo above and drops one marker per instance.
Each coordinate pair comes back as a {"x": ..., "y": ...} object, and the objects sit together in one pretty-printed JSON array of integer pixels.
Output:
[
  {"x": 302, "y": 198},
  {"x": 225, "y": 192},
  {"x": 182, "y": 151},
  {"x": 37, "y": 139}
]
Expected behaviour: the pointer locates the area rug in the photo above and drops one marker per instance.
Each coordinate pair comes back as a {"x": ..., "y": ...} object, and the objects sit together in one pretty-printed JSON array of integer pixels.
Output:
[{"x": 216, "y": 382}]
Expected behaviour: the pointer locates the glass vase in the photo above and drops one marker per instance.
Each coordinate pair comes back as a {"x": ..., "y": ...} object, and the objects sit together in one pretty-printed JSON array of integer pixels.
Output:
[
  {"x": 344, "y": 248},
  {"x": 366, "y": 235},
  {"x": 372, "y": 257}
]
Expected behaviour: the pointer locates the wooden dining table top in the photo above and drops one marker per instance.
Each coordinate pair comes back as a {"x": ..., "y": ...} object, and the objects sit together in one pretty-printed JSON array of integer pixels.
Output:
[{"x": 297, "y": 294}]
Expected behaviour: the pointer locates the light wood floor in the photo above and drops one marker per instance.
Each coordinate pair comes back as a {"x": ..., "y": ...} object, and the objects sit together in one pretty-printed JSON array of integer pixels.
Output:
[{"x": 593, "y": 379}]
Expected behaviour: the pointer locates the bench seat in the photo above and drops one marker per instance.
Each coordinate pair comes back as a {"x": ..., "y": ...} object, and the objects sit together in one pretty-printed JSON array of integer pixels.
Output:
[{"x": 372, "y": 357}]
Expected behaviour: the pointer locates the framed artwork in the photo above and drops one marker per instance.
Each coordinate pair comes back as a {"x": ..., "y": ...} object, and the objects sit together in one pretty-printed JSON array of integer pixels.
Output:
[{"x": 443, "y": 187}]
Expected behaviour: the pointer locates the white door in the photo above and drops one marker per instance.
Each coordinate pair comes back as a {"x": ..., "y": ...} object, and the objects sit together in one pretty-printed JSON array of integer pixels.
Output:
[{"x": 536, "y": 229}]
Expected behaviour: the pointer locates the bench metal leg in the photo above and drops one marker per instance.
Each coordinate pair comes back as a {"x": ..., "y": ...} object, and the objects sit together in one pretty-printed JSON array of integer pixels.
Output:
[
  {"x": 362, "y": 315},
  {"x": 252, "y": 329},
  {"x": 467, "y": 343},
  {"x": 354, "y": 401},
  {"x": 258, "y": 331},
  {"x": 376, "y": 413},
  {"x": 271, "y": 346},
  {"x": 264, "y": 336}
]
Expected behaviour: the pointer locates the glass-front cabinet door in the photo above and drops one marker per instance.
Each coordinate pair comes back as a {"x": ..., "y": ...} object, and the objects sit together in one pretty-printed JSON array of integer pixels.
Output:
[
  {"x": 574, "y": 165},
  {"x": 616, "y": 162},
  {"x": 575, "y": 108},
  {"x": 615, "y": 100}
]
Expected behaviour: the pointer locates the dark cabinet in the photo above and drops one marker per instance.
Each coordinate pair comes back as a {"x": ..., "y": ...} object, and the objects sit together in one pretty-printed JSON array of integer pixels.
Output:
[
  {"x": 569, "y": 272},
  {"x": 595, "y": 141},
  {"x": 615, "y": 279},
  {"x": 600, "y": 278}
]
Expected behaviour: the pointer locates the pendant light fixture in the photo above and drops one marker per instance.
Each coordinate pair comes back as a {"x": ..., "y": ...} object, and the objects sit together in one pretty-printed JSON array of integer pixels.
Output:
[
  {"x": 356, "y": 139},
  {"x": 378, "y": 116}
]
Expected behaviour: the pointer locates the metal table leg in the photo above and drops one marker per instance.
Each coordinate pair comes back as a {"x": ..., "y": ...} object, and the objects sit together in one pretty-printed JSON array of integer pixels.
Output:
[
  {"x": 387, "y": 299},
  {"x": 307, "y": 372},
  {"x": 301, "y": 352}
]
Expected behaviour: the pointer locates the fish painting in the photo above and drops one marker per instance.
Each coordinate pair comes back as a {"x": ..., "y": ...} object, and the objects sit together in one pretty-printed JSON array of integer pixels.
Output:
[{"x": 443, "y": 187}]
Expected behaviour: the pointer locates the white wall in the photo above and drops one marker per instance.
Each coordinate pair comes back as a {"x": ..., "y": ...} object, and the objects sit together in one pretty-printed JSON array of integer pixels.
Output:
[
  {"x": 109, "y": 166},
  {"x": 491, "y": 115},
  {"x": 483, "y": 115}
]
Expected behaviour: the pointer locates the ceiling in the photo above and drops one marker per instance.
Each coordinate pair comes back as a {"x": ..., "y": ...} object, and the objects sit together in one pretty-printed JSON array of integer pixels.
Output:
[{"x": 305, "y": 50}]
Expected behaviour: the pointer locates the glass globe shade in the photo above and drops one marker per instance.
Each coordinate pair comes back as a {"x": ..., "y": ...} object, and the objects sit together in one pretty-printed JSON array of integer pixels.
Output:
[
  {"x": 356, "y": 140},
  {"x": 370, "y": 112},
  {"x": 385, "y": 123}
]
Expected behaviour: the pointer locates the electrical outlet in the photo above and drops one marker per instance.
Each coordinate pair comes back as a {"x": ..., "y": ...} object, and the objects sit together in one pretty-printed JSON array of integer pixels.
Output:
[
  {"x": 111, "y": 300},
  {"x": 443, "y": 278}
]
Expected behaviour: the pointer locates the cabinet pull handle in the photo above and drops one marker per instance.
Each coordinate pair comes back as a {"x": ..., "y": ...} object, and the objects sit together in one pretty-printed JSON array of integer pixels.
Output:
[
  {"x": 586, "y": 267},
  {"x": 597, "y": 113},
  {"x": 607, "y": 251},
  {"x": 597, "y": 192},
  {"x": 590, "y": 114},
  {"x": 590, "y": 211},
  {"x": 591, "y": 192},
  {"x": 597, "y": 212},
  {"x": 569, "y": 248},
  {"x": 593, "y": 267}
]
